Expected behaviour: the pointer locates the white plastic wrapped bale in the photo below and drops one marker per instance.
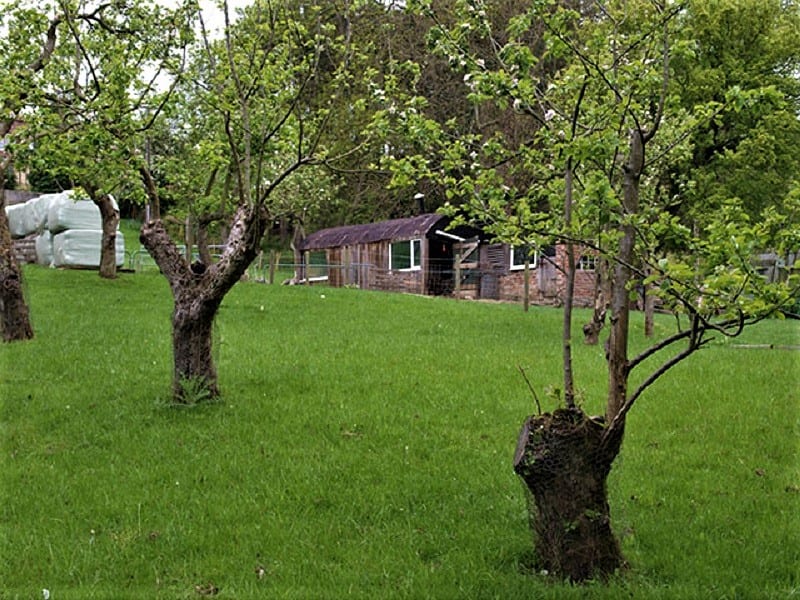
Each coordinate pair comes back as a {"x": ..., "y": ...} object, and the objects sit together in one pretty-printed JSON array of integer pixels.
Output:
[
  {"x": 67, "y": 212},
  {"x": 37, "y": 212},
  {"x": 17, "y": 218},
  {"x": 44, "y": 249},
  {"x": 81, "y": 248}
]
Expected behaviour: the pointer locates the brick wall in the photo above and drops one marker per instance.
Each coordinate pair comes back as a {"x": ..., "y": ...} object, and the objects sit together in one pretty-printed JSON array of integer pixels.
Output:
[
  {"x": 409, "y": 282},
  {"x": 547, "y": 284},
  {"x": 25, "y": 249}
]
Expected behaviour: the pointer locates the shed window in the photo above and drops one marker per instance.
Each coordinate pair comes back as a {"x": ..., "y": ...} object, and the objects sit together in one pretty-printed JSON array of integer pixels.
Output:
[
  {"x": 519, "y": 254},
  {"x": 405, "y": 255},
  {"x": 317, "y": 267},
  {"x": 587, "y": 262}
]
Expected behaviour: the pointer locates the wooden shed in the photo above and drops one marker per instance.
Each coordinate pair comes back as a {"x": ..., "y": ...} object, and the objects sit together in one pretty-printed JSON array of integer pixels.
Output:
[
  {"x": 423, "y": 255},
  {"x": 413, "y": 254}
]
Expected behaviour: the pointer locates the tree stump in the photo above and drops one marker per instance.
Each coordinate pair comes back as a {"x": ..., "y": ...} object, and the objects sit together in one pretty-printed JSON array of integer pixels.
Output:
[{"x": 564, "y": 462}]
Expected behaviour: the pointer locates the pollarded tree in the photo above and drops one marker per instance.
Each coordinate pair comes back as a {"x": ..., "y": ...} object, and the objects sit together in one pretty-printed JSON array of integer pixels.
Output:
[
  {"x": 272, "y": 81},
  {"x": 607, "y": 119}
]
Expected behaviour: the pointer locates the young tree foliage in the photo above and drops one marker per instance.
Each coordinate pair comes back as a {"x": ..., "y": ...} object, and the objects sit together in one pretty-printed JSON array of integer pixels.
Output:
[
  {"x": 606, "y": 170},
  {"x": 109, "y": 79}
]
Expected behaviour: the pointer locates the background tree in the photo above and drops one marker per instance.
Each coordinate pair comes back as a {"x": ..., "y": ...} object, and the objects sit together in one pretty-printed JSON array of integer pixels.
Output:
[
  {"x": 103, "y": 92},
  {"x": 608, "y": 124},
  {"x": 397, "y": 37},
  {"x": 752, "y": 150}
]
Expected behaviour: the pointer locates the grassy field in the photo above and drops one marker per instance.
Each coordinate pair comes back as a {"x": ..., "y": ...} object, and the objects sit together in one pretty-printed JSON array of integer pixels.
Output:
[{"x": 363, "y": 450}]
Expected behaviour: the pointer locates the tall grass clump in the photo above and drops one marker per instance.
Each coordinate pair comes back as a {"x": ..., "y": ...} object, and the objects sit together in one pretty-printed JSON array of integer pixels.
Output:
[{"x": 363, "y": 447}]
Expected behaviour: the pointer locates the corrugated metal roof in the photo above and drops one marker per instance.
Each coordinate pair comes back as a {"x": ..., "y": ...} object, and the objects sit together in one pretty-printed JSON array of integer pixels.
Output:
[{"x": 394, "y": 230}]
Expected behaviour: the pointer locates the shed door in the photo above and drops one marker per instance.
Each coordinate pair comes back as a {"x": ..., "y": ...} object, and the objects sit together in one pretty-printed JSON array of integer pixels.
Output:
[
  {"x": 465, "y": 264},
  {"x": 466, "y": 253}
]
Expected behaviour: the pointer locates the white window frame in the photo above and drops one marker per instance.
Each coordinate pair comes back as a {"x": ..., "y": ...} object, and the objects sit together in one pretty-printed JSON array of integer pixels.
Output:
[
  {"x": 415, "y": 261},
  {"x": 519, "y": 267},
  {"x": 587, "y": 262}
]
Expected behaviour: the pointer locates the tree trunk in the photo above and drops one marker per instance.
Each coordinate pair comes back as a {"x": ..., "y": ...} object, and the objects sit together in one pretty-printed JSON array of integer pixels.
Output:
[
  {"x": 649, "y": 309},
  {"x": 198, "y": 290},
  {"x": 109, "y": 214},
  {"x": 564, "y": 463},
  {"x": 194, "y": 376},
  {"x": 15, "y": 321},
  {"x": 569, "y": 294},
  {"x": 195, "y": 304},
  {"x": 592, "y": 329},
  {"x": 622, "y": 274}
]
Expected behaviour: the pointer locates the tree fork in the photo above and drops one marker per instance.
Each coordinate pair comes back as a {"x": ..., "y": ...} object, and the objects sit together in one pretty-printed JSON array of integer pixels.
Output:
[{"x": 198, "y": 290}]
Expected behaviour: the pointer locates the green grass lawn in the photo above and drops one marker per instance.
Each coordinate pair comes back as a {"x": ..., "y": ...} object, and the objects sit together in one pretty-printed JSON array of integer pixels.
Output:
[{"x": 363, "y": 449}]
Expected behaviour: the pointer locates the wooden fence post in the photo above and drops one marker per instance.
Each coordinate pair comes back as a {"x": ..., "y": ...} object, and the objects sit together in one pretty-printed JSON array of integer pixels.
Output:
[
  {"x": 271, "y": 279},
  {"x": 457, "y": 283},
  {"x": 347, "y": 276},
  {"x": 526, "y": 294}
]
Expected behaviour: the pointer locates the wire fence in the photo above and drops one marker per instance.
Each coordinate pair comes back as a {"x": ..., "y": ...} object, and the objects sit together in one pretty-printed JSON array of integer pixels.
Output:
[
  {"x": 265, "y": 269},
  {"x": 270, "y": 268},
  {"x": 140, "y": 260}
]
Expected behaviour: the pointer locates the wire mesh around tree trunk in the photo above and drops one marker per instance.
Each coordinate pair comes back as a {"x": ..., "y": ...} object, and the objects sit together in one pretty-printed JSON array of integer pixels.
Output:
[{"x": 564, "y": 462}]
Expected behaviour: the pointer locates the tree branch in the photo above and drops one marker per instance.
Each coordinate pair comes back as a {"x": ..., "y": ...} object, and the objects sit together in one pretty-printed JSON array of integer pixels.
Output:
[
  {"x": 165, "y": 253},
  {"x": 696, "y": 334},
  {"x": 81, "y": 51},
  {"x": 151, "y": 189},
  {"x": 664, "y": 86},
  {"x": 49, "y": 46},
  {"x": 634, "y": 362},
  {"x": 531, "y": 388},
  {"x": 619, "y": 419},
  {"x": 247, "y": 229}
]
